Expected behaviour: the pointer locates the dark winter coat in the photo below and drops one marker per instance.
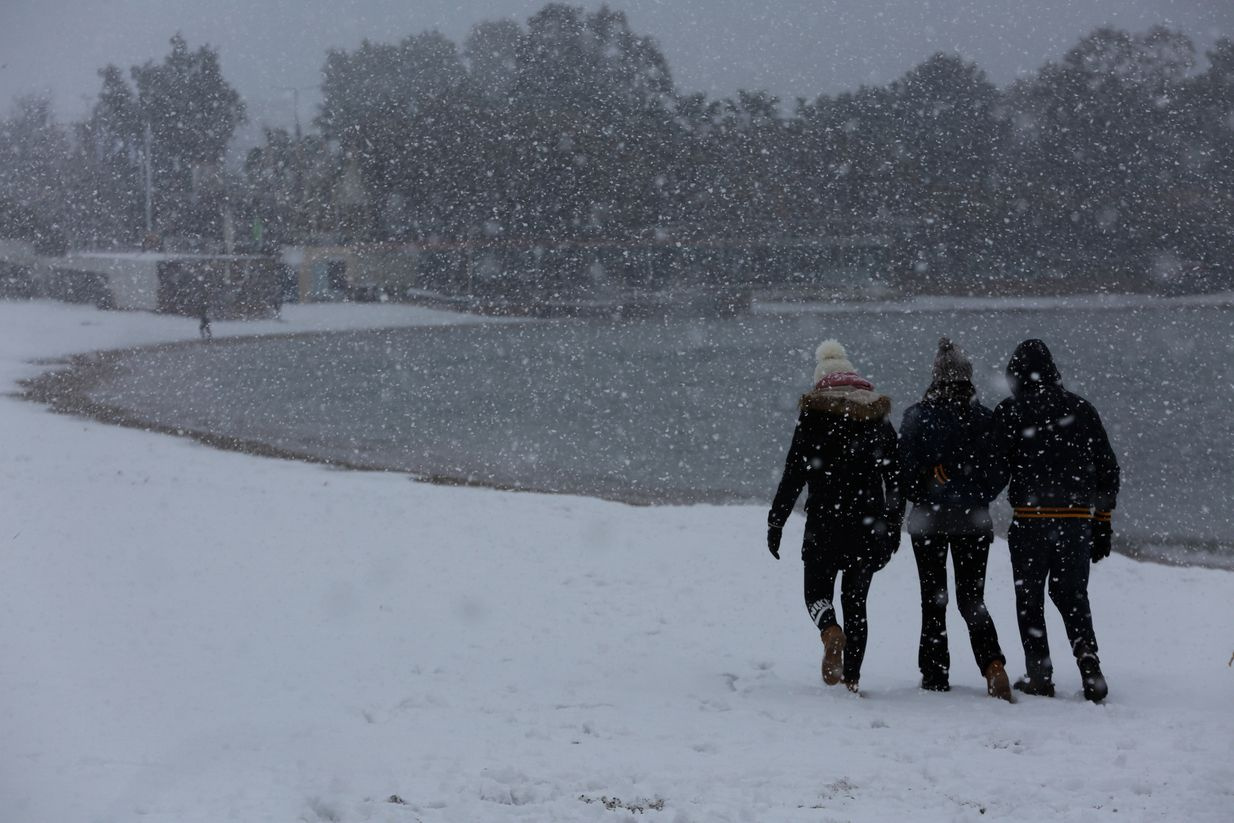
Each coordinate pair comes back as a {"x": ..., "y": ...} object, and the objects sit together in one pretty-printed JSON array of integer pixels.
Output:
[
  {"x": 844, "y": 449},
  {"x": 1049, "y": 443},
  {"x": 946, "y": 462}
]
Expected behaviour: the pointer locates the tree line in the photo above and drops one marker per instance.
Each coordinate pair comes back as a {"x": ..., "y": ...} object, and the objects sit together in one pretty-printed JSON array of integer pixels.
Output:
[{"x": 1112, "y": 165}]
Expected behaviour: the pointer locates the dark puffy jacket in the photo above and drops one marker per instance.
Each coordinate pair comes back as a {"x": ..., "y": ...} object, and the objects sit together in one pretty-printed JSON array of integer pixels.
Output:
[
  {"x": 1049, "y": 443},
  {"x": 950, "y": 430},
  {"x": 844, "y": 449}
]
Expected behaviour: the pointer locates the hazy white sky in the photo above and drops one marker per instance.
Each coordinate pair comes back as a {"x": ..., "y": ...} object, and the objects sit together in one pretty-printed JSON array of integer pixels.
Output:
[{"x": 792, "y": 47}]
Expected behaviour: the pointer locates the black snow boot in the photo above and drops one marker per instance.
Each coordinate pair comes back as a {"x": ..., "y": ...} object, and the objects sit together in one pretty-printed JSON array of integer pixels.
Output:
[
  {"x": 935, "y": 683},
  {"x": 1037, "y": 688},
  {"x": 1095, "y": 687}
]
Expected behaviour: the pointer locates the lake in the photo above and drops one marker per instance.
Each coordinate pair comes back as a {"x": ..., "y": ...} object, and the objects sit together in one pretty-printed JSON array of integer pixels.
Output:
[{"x": 677, "y": 411}]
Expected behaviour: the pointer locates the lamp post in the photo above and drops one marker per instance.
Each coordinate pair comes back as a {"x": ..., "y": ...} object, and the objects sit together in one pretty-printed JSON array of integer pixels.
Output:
[
  {"x": 295, "y": 103},
  {"x": 149, "y": 179},
  {"x": 297, "y": 151}
]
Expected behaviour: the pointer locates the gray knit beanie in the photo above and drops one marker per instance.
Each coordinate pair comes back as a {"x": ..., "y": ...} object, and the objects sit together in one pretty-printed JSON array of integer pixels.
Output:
[{"x": 951, "y": 364}]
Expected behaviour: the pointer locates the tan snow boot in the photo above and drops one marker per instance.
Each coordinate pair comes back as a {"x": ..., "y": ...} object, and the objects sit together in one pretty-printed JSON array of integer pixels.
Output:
[
  {"x": 997, "y": 684},
  {"x": 833, "y": 655}
]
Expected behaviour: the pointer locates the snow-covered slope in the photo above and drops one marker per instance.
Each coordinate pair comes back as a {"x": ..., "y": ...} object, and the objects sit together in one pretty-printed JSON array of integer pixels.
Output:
[{"x": 191, "y": 635}]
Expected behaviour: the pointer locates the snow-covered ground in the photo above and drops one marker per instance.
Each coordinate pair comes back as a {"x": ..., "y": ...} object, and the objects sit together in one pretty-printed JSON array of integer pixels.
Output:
[
  {"x": 47, "y": 329},
  {"x": 193, "y": 635}
]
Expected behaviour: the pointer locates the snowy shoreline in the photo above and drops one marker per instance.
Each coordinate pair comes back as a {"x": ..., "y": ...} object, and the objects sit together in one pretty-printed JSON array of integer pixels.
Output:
[
  {"x": 196, "y": 635},
  {"x": 1085, "y": 302}
]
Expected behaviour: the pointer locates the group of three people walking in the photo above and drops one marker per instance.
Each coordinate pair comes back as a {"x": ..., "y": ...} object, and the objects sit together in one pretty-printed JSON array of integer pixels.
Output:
[{"x": 952, "y": 457}]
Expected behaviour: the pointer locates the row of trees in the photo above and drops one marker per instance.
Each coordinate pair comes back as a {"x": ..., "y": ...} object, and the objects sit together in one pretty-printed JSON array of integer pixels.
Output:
[
  {"x": 1116, "y": 161},
  {"x": 164, "y": 134}
]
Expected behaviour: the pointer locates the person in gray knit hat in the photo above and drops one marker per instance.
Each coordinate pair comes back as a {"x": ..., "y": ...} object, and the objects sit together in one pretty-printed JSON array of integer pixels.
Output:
[
  {"x": 945, "y": 471},
  {"x": 951, "y": 365}
]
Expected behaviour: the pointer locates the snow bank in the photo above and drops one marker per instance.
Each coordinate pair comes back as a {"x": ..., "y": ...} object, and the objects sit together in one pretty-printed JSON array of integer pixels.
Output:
[
  {"x": 191, "y": 635},
  {"x": 45, "y": 330},
  {"x": 1112, "y": 302}
]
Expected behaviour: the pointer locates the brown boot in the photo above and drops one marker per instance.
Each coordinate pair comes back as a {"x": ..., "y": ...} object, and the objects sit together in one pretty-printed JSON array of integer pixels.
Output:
[
  {"x": 833, "y": 655},
  {"x": 997, "y": 684}
]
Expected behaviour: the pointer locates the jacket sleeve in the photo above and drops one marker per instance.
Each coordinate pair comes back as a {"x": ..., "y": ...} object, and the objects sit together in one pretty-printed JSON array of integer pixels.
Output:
[
  {"x": 1105, "y": 464},
  {"x": 989, "y": 472},
  {"x": 1001, "y": 446},
  {"x": 793, "y": 481},
  {"x": 912, "y": 459},
  {"x": 891, "y": 470}
]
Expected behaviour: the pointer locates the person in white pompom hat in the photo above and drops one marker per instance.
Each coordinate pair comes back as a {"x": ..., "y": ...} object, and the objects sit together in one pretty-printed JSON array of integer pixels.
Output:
[{"x": 844, "y": 450}]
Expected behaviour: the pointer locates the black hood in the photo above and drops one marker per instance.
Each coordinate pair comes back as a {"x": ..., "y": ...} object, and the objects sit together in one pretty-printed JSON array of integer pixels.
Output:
[{"x": 1032, "y": 367}]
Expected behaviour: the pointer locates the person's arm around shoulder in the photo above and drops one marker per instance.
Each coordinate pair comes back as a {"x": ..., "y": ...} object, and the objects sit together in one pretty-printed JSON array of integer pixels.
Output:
[
  {"x": 985, "y": 472},
  {"x": 892, "y": 471},
  {"x": 893, "y": 507},
  {"x": 912, "y": 466},
  {"x": 1001, "y": 443}
]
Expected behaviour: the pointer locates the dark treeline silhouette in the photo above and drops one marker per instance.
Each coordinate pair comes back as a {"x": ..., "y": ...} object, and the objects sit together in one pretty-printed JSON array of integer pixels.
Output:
[{"x": 1110, "y": 168}]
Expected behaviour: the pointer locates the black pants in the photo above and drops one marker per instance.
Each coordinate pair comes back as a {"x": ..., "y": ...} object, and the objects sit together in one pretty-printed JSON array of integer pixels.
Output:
[
  {"x": 1054, "y": 553},
  {"x": 826, "y": 553},
  {"x": 969, "y": 553}
]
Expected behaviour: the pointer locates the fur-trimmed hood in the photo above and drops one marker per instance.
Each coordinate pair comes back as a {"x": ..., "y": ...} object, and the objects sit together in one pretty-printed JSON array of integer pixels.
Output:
[{"x": 855, "y": 404}]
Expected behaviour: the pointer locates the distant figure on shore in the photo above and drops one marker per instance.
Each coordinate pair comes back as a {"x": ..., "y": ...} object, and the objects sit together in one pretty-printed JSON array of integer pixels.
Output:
[
  {"x": 844, "y": 449},
  {"x": 204, "y": 326},
  {"x": 945, "y": 470},
  {"x": 1052, "y": 448}
]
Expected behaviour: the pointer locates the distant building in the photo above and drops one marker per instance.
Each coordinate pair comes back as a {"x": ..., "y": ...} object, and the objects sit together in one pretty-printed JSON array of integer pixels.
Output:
[
  {"x": 18, "y": 261},
  {"x": 224, "y": 286},
  {"x": 363, "y": 272}
]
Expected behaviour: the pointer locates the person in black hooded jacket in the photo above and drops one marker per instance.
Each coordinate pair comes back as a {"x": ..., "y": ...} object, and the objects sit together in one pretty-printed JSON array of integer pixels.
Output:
[
  {"x": 945, "y": 470},
  {"x": 844, "y": 450},
  {"x": 1052, "y": 449}
]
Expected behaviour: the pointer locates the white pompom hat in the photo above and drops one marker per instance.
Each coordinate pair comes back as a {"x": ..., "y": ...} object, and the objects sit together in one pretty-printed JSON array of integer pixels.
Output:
[{"x": 831, "y": 359}]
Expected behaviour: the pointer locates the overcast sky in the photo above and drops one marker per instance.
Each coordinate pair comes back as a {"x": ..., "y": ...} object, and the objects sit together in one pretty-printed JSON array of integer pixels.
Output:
[{"x": 792, "y": 47}]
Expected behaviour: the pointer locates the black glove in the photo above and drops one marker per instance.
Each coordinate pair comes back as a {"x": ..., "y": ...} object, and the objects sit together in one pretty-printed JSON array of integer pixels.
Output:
[
  {"x": 773, "y": 540},
  {"x": 1103, "y": 533}
]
